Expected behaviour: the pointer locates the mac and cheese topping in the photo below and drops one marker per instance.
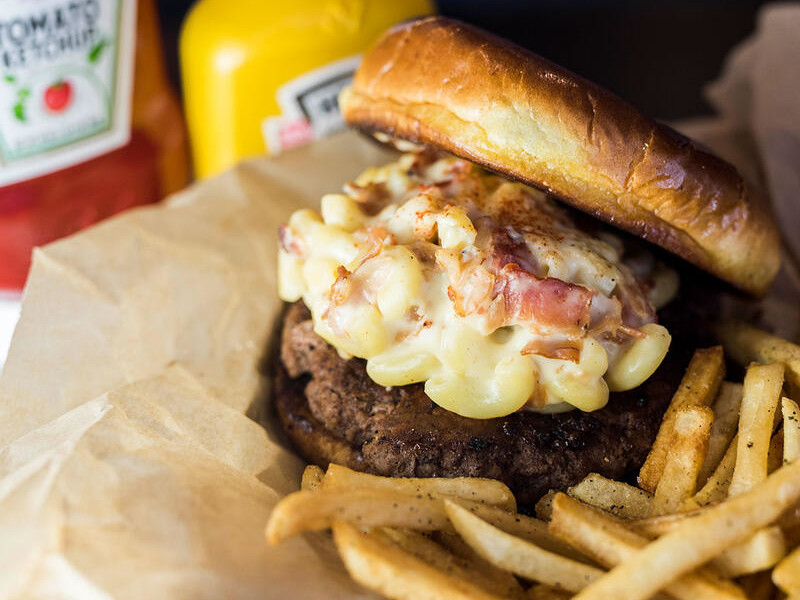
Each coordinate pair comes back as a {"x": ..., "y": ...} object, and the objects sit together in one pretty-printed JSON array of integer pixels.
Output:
[{"x": 436, "y": 271}]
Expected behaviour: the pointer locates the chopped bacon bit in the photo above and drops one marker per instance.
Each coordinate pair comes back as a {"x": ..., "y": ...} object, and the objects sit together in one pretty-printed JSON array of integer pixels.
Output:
[
  {"x": 414, "y": 313},
  {"x": 377, "y": 239},
  {"x": 542, "y": 348},
  {"x": 505, "y": 250},
  {"x": 636, "y": 333},
  {"x": 290, "y": 242},
  {"x": 422, "y": 160},
  {"x": 548, "y": 304},
  {"x": 341, "y": 288},
  {"x": 636, "y": 309},
  {"x": 373, "y": 197}
]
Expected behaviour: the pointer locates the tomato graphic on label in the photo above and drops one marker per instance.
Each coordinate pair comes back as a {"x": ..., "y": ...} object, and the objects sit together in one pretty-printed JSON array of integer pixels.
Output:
[{"x": 58, "y": 96}]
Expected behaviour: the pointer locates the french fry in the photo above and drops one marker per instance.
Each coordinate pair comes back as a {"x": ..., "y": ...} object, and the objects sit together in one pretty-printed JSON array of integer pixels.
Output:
[
  {"x": 761, "y": 551},
  {"x": 618, "y": 498},
  {"x": 654, "y": 527},
  {"x": 698, "y": 387},
  {"x": 527, "y": 528},
  {"x": 314, "y": 511},
  {"x": 775, "y": 452},
  {"x": 787, "y": 574},
  {"x": 716, "y": 487},
  {"x": 539, "y": 591},
  {"x": 791, "y": 430},
  {"x": 744, "y": 343},
  {"x": 518, "y": 556},
  {"x": 699, "y": 540},
  {"x": 489, "y": 491},
  {"x": 544, "y": 507},
  {"x": 312, "y": 477},
  {"x": 726, "y": 420},
  {"x": 374, "y": 561},
  {"x": 762, "y": 389},
  {"x": 473, "y": 569},
  {"x": 500, "y": 579},
  {"x": 687, "y": 451},
  {"x": 609, "y": 542}
]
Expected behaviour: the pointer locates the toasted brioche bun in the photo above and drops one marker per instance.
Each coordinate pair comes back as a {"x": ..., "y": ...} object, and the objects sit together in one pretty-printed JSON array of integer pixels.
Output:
[{"x": 446, "y": 84}]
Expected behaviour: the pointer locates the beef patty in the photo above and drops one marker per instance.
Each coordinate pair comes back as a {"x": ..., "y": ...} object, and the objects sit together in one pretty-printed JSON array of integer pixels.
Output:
[{"x": 333, "y": 412}]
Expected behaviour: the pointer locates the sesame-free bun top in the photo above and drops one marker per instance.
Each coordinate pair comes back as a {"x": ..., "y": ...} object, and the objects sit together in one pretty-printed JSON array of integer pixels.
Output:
[{"x": 443, "y": 83}]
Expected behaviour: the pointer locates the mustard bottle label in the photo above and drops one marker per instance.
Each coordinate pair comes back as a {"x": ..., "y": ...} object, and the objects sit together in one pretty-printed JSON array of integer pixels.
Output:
[
  {"x": 309, "y": 106},
  {"x": 66, "y": 70}
]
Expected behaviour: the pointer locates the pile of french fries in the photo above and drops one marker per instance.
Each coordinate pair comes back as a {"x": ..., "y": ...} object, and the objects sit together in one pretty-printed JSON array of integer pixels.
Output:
[{"x": 716, "y": 514}]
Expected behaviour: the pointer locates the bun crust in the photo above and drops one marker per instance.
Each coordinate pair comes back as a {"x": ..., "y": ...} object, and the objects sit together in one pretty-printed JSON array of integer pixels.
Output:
[{"x": 439, "y": 82}]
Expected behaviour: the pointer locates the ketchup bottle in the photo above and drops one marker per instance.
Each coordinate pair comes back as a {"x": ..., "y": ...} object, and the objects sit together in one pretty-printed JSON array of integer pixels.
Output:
[{"x": 88, "y": 123}]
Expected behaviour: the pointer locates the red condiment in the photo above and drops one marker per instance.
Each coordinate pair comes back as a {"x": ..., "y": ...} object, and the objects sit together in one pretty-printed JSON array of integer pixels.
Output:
[{"x": 69, "y": 46}]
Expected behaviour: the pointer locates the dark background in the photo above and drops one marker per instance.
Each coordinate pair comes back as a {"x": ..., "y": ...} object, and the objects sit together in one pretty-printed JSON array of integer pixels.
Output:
[{"x": 656, "y": 54}]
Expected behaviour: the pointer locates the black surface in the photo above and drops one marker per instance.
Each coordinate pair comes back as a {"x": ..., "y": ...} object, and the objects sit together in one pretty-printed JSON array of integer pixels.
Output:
[{"x": 655, "y": 54}]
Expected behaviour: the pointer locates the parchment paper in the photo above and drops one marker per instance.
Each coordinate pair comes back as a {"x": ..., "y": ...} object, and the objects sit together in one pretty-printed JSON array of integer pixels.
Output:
[{"x": 128, "y": 468}]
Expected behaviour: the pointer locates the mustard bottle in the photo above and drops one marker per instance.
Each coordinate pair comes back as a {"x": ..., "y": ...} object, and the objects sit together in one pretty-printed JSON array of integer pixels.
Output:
[{"x": 264, "y": 75}]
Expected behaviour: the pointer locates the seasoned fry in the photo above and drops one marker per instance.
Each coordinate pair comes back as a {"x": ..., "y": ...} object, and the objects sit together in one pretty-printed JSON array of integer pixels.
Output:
[
  {"x": 698, "y": 387},
  {"x": 377, "y": 563},
  {"x": 499, "y": 579},
  {"x": 544, "y": 506},
  {"x": 657, "y": 526},
  {"x": 762, "y": 389},
  {"x": 618, "y": 498},
  {"x": 726, "y": 420},
  {"x": 687, "y": 451},
  {"x": 474, "y": 570},
  {"x": 791, "y": 430},
  {"x": 744, "y": 343},
  {"x": 609, "y": 542},
  {"x": 312, "y": 477},
  {"x": 313, "y": 511},
  {"x": 761, "y": 551},
  {"x": 539, "y": 591},
  {"x": 699, "y": 540},
  {"x": 716, "y": 487},
  {"x": 518, "y": 556},
  {"x": 489, "y": 491},
  {"x": 775, "y": 453},
  {"x": 787, "y": 574},
  {"x": 527, "y": 528}
]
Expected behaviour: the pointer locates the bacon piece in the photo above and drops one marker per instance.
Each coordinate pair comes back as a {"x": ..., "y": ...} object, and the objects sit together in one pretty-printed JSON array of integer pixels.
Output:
[
  {"x": 548, "y": 304},
  {"x": 506, "y": 248},
  {"x": 636, "y": 309},
  {"x": 422, "y": 160},
  {"x": 560, "y": 352},
  {"x": 377, "y": 238},
  {"x": 471, "y": 285},
  {"x": 341, "y": 288},
  {"x": 290, "y": 242},
  {"x": 373, "y": 197}
]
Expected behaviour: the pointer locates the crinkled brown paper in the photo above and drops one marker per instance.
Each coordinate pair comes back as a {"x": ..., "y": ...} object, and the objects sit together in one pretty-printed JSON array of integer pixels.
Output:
[{"x": 129, "y": 468}]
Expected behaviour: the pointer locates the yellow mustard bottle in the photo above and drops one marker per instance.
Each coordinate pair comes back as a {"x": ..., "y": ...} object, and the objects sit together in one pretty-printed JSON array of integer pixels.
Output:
[{"x": 264, "y": 75}]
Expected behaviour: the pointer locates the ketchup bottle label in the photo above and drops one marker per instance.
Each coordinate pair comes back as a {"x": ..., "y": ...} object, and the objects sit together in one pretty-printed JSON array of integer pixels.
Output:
[
  {"x": 66, "y": 71},
  {"x": 309, "y": 106}
]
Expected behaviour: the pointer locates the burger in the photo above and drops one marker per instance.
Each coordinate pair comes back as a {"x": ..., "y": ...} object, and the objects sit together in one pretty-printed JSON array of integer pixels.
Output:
[{"x": 487, "y": 304}]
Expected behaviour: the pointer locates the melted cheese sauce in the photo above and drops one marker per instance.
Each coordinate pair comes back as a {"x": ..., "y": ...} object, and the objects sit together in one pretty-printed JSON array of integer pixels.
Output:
[{"x": 436, "y": 271}]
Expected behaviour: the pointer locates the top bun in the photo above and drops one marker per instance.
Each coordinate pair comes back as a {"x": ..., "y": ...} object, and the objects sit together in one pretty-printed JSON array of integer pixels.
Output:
[{"x": 440, "y": 82}]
